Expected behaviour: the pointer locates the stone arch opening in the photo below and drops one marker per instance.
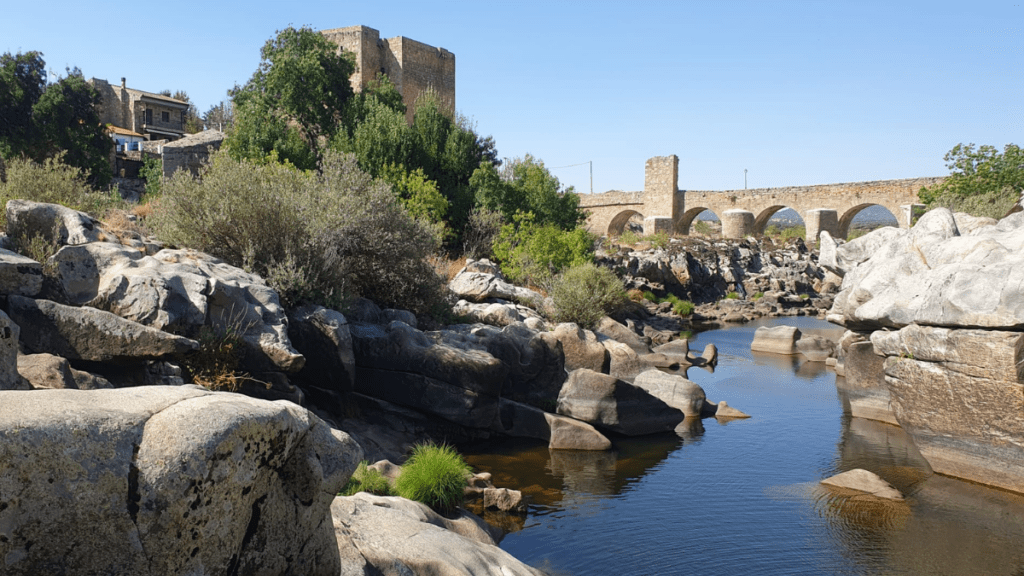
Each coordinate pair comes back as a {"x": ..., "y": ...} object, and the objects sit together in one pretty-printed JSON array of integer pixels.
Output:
[
  {"x": 866, "y": 217},
  {"x": 781, "y": 217},
  {"x": 622, "y": 219},
  {"x": 707, "y": 225}
]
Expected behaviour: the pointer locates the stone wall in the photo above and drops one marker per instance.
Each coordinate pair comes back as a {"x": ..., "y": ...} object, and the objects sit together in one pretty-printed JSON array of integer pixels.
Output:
[
  {"x": 191, "y": 152},
  {"x": 412, "y": 66}
]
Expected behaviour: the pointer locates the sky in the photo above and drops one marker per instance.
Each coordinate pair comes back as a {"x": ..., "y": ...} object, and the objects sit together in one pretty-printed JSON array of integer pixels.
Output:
[{"x": 755, "y": 94}]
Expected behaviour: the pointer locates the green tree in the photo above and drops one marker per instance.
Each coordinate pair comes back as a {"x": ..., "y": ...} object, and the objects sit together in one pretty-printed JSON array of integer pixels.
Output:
[
  {"x": 533, "y": 253},
  {"x": 22, "y": 82},
  {"x": 525, "y": 185},
  {"x": 419, "y": 195},
  {"x": 301, "y": 84},
  {"x": 193, "y": 123},
  {"x": 982, "y": 181}
]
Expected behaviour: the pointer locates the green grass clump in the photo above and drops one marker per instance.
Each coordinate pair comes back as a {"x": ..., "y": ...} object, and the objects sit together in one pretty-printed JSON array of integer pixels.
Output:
[
  {"x": 659, "y": 240},
  {"x": 435, "y": 475},
  {"x": 680, "y": 306},
  {"x": 758, "y": 295},
  {"x": 804, "y": 296},
  {"x": 732, "y": 296},
  {"x": 649, "y": 296},
  {"x": 365, "y": 479},
  {"x": 628, "y": 238}
]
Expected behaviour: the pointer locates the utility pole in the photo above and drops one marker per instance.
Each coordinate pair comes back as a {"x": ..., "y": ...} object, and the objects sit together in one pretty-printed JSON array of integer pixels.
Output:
[{"x": 744, "y": 178}]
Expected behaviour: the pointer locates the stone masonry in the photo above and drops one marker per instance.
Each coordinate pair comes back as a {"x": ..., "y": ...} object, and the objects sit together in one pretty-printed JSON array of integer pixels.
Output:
[
  {"x": 412, "y": 66},
  {"x": 665, "y": 208}
]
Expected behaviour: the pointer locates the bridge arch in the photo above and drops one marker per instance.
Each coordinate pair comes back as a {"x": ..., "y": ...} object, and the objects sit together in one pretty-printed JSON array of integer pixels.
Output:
[
  {"x": 685, "y": 222},
  {"x": 764, "y": 217},
  {"x": 619, "y": 221},
  {"x": 846, "y": 220}
]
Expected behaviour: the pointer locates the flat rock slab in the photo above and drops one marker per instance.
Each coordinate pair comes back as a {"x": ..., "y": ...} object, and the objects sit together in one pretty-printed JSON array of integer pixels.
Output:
[
  {"x": 776, "y": 340},
  {"x": 83, "y": 333},
  {"x": 612, "y": 404},
  {"x": 864, "y": 481}
]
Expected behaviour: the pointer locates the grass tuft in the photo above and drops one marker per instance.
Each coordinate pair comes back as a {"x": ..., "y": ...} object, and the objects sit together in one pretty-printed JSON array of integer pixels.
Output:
[{"x": 435, "y": 475}]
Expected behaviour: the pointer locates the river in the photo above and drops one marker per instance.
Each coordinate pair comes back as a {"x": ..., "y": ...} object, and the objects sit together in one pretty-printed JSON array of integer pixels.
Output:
[{"x": 743, "y": 497}]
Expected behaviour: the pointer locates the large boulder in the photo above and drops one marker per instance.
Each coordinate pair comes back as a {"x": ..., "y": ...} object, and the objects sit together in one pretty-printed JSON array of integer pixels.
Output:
[
  {"x": 322, "y": 336},
  {"x": 167, "y": 480},
  {"x": 481, "y": 286},
  {"x": 612, "y": 404},
  {"x": 960, "y": 395},
  {"x": 393, "y": 536},
  {"x": 431, "y": 373},
  {"x": 182, "y": 291},
  {"x": 776, "y": 340},
  {"x": 561, "y": 432},
  {"x": 49, "y": 371},
  {"x": 678, "y": 392},
  {"x": 19, "y": 274},
  {"x": 84, "y": 333},
  {"x": 581, "y": 347},
  {"x": 27, "y": 219},
  {"x": 931, "y": 274}
]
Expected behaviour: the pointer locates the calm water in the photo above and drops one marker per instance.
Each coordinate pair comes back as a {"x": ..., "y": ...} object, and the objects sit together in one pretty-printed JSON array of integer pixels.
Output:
[{"x": 743, "y": 497}]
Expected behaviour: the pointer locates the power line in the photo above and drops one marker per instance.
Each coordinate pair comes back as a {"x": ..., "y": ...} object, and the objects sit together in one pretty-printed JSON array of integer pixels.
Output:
[{"x": 590, "y": 162}]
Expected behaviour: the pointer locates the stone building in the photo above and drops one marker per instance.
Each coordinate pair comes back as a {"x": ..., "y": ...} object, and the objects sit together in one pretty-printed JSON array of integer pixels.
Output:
[
  {"x": 412, "y": 66},
  {"x": 155, "y": 116}
]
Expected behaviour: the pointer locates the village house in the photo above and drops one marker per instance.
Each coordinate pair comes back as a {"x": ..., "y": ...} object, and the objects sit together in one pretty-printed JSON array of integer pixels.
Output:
[{"x": 154, "y": 116}]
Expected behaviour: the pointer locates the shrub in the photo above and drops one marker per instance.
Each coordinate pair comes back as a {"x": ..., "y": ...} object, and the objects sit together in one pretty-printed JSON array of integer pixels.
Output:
[
  {"x": 215, "y": 364},
  {"x": 628, "y": 238},
  {"x": 533, "y": 254},
  {"x": 152, "y": 172},
  {"x": 53, "y": 182},
  {"x": 585, "y": 293},
  {"x": 435, "y": 475},
  {"x": 659, "y": 240},
  {"x": 635, "y": 295},
  {"x": 680, "y": 306},
  {"x": 649, "y": 296},
  {"x": 315, "y": 236},
  {"x": 758, "y": 295},
  {"x": 702, "y": 228},
  {"x": 366, "y": 479},
  {"x": 481, "y": 230}
]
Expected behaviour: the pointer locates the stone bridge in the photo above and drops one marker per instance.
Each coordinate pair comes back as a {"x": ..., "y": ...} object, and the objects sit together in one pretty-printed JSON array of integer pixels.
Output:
[{"x": 665, "y": 208}]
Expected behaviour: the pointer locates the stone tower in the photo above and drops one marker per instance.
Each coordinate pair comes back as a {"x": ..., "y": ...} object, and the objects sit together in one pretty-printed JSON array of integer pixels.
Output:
[{"x": 412, "y": 66}]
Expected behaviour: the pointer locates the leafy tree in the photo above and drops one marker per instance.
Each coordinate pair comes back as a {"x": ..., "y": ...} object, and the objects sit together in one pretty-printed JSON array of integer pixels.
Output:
[
  {"x": 301, "y": 83},
  {"x": 220, "y": 117},
  {"x": 193, "y": 123},
  {"x": 22, "y": 82},
  {"x": 525, "y": 185},
  {"x": 419, "y": 195},
  {"x": 533, "y": 253},
  {"x": 982, "y": 181}
]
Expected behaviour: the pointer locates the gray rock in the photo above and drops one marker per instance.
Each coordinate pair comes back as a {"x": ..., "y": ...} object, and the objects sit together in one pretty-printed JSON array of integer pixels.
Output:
[
  {"x": 561, "y": 432},
  {"x": 623, "y": 362},
  {"x": 322, "y": 336},
  {"x": 504, "y": 500},
  {"x": 167, "y": 480},
  {"x": 480, "y": 286},
  {"x": 26, "y": 219},
  {"x": 10, "y": 335},
  {"x": 19, "y": 274},
  {"x": 674, "y": 390},
  {"x": 723, "y": 410},
  {"x": 581, "y": 347},
  {"x": 88, "y": 334},
  {"x": 46, "y": 371},
  {"x": 609, "y": 403},
  {"x": 864, "y": 481},
  {"x": 776, "y": 340},
  {"x": 710, "y": 355},
  {"x": 397, "y": 537},
  {"x": 864, "y": 379},
  {"x": 621, "y": 333},
  {"x": 815, "y": 348}
]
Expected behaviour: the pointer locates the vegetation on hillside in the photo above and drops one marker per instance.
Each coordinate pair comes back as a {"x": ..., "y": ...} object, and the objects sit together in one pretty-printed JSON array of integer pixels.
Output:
[{"x": 983, "y": 181}]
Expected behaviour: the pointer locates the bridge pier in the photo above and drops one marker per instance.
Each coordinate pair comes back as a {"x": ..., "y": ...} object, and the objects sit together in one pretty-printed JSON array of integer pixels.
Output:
[
  {"x": 819, "y": 219},
  {"x": 658, "y": 224},
  {"x": 908, "y": 212},
  {"x": 737, "y": 223}
]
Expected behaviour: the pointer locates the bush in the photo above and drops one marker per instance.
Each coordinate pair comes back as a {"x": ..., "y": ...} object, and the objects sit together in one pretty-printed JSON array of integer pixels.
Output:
[
  {"x": 585, "y": 293},
  {"x": 480, "y": 232},
  {"x": 533, "y": 254},
  {"x": 315, "y": 237},
  {"x": 659, "y": 240},
  {"x": 435, "y": 475},
  {"x": 628, "y": 238},
  {"x": 365, "y": 479},
  {"x": 649, "y": 296},
  {"x": 53, "y": 182},
  {"x": 757, "y": 295},
  {"x": 152, "y": 172}
]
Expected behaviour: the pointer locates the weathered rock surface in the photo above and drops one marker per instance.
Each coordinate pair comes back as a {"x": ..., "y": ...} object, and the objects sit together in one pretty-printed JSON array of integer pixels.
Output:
[
  {"x": 167, "y": 480},
  {"x": 723, "y": 410},
  {"x": 815, "y": 348},
  {"x": 678, "y": 392},
  {"x": 581, "y": 347},
  {"x": 864, "y": 481},
  {"x": 479, "y": 286},
  {"x": 562, "y": 433},
  {"x": 84, "y": 333},
  {"x": 612, "y": 404},
  {"x": 26, "y": 219},
  {"x": 10, "y": 335},
  {"x": 959, "y": 394},
  {"x": 19, "y": 274},
  {"x": 322, "y": 336},
  {"x": 180, "y": 290},
  {"x": 931, "y": 275},
  {"x": 776, "y": 340},
  {"x": 396, "y": 537},
  {"x": 864, "y": 379},
  {"x": 497, "y": 313}
]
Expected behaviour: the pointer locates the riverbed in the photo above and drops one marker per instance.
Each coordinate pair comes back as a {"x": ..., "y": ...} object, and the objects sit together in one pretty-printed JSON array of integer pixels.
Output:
[{"x": 742, "y": 497}]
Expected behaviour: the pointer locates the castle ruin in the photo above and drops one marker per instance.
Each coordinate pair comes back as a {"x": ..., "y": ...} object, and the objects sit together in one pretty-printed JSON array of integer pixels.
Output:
[{"x": 410, "y": 65}]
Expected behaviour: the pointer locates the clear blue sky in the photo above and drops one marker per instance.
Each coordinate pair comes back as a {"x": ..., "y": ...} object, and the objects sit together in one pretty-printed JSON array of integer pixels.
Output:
[{"x": 796, "y": 93}]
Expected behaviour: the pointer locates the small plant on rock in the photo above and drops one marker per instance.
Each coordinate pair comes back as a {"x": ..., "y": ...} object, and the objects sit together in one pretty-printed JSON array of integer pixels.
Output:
[
  {"x": 649, "y": 296},
  {"x": 758, "y": 295},
  {"x": 366, "y": 479},
  {"x": 732, "y": 296},
  {"x": 435, "y": 475}
]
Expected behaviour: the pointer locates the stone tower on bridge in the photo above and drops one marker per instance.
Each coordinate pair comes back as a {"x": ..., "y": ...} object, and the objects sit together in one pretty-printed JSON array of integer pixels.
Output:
[{"x": 665, "y": 208}]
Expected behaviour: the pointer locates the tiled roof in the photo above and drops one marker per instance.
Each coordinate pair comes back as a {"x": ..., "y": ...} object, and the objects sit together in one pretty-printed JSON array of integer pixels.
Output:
[{"x": 122, "y": 131}]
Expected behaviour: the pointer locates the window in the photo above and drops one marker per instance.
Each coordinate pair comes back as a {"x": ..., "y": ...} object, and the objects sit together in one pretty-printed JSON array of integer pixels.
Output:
[
  {"x": 165, "y": 116},
  {"x": 149, "y": 116}
]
